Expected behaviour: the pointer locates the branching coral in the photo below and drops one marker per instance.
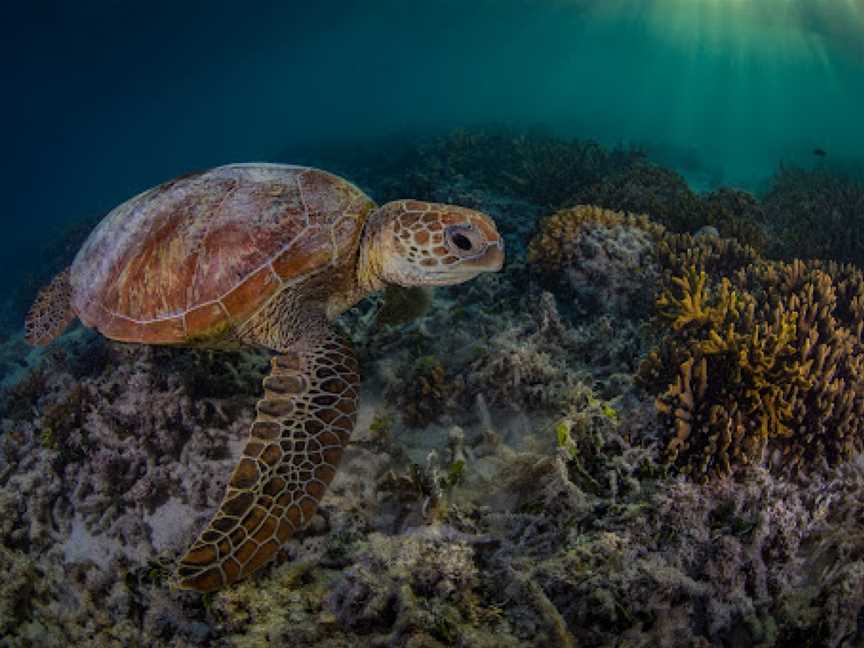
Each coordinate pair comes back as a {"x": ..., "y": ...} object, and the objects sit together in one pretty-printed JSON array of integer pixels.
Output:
[
  {"x": 677, "y": 253},
  {"x": 765, "y": 369},
  {"x": 692, "y": 306}
]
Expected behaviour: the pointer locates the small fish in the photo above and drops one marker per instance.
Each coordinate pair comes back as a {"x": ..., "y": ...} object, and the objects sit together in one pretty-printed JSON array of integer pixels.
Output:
[{"x": 819, "y": 152}]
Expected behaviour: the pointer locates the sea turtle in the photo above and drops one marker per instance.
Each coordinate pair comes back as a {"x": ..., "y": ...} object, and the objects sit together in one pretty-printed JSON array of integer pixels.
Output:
[{"x": 265, "y": 255}]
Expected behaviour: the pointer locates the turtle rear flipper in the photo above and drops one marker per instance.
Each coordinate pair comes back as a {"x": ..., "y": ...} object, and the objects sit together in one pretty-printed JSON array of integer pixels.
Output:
[
  {"x": 295, "y": 444},
  {"x": 51, "y": 313}
]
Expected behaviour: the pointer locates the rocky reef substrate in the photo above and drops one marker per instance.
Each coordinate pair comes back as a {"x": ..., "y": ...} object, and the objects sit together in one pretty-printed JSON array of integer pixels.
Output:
[{"x": 613, "y": 442}]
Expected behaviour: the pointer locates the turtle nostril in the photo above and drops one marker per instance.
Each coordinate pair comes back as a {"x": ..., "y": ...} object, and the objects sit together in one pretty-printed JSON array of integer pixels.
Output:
[{"x": 461, "y": 241}]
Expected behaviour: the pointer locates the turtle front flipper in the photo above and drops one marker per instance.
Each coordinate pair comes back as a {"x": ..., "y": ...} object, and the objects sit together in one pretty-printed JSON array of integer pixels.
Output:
[
  {"x": 51, "y": 313},
  {"x": 304, "y": 422}
]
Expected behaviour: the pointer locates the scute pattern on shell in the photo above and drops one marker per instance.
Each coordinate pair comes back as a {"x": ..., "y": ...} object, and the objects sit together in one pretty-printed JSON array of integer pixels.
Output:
[{"x": 198, "y": 255}]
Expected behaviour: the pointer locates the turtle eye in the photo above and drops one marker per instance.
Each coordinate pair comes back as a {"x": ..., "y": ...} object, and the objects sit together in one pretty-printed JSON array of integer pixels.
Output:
[
  {"x": 464, "y": 240},
  {"x": 461, "y": 241}
]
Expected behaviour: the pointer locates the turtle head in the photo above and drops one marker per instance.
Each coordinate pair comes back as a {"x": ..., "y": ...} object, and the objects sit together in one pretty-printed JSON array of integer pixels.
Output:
[{"x": 412, "y": 243}]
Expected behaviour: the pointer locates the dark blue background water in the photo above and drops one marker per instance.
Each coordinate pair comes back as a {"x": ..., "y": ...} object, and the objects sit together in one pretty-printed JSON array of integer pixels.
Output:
[{"x": 103, "y": 99}]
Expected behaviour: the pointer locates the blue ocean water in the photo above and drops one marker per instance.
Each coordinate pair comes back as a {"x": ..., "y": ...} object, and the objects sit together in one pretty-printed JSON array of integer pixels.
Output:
[
  {"x": 106, "y": 98},
  {"x": 109, "y": 450}
]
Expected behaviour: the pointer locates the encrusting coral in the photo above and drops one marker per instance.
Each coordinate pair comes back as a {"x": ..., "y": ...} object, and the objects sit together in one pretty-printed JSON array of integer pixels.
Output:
[
  {"x": 558, "y": 238},
  {"x": 602, "y": 260}
]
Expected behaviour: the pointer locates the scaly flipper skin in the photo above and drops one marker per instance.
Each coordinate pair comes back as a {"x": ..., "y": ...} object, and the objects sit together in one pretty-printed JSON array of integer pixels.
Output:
[
  {"x": 51, "y": 313},
  {"x": 295, "y": 444}
]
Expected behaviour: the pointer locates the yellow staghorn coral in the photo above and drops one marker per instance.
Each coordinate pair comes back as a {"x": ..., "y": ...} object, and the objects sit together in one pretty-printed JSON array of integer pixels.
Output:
[
  {"x": 695, "y": 305},
  {"x": 736, "y": 397},
  {"x": 759, "y": 362},
  {"x": 690, "y": 307},
  {"x": 763, "y": 365},
  {"x": 677, "y": 253}
]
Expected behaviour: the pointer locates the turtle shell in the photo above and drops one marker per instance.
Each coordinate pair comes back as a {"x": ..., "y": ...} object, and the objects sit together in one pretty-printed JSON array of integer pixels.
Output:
[{"x": 192, "y": 258}]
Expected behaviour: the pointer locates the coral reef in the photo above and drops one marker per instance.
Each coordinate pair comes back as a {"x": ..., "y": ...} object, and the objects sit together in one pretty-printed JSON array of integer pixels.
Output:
[
  {"x": 739, "y": 215},
  {"x": 424, "y": 392},
  {"x": 765, "y": 367},
  {"x": 516, "y": 486},
  {"x": 648, "y": 189},
  {"x": 530, "y": 170},
  {"x": 599, "y": 260},
  {"x": 816, "y": 214},
  {"x": 664, "y": 196},
  {"x": 540, "y": 168},
  {"x": 559, "y": 237},
  {"x": 578, "y": 545},
  {"x": 110, "y": 448},
  {"x": 757, "y": 363}
]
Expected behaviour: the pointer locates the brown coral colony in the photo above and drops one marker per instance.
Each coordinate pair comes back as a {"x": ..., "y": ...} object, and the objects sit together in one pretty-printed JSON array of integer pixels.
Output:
[{"x": 758, "y": 362}]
